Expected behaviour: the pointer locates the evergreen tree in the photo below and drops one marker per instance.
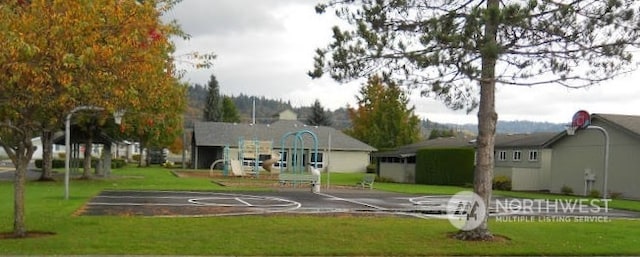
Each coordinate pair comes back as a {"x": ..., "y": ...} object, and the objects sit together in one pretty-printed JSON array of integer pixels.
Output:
[
  {"x": 318, "y": 116},
  {"x": 383, "y": 118},
  {"x": 213, "y": 108},
  {"x": 229, "y": 110},
  {"x": 458, "y": 51}
]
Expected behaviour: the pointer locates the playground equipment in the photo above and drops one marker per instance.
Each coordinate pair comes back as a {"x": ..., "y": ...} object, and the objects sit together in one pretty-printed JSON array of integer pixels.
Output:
[
  {"x": 295, "y": 173},
  {"x": 268, "y": 164},
  {"x": 226, "y": 161},
  {"x": 252, "y": 152}
]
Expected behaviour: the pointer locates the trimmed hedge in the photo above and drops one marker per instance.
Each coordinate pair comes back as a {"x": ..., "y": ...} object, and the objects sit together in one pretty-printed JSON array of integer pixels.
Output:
[
  {"x": 59, "y": 164},
  {"x": 445, "y": 166}
]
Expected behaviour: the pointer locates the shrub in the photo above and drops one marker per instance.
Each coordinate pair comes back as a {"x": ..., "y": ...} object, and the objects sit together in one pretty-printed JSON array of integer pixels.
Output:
[
  {"x": 444, "y": 166},
  {"x": 502, "y": 183},
  {"x": 567, "y": 190},
  {"x": 372, "y": 168},
  {"x": 55, "y": 163},
  {"x": 59, "y": 164},
  {"x": 384, "y": 179},
  {"x": 615, "y": 195},
  {"x": 118, "y": 163},
  {"x": 136, "y": 157},
  {"x": 594, "y": 193}
]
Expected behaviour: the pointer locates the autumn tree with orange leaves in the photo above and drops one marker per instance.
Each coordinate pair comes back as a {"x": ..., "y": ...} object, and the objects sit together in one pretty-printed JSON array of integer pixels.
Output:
[
  {"x": 383, "y": 118},
  {"x": 58, "y": 55}
]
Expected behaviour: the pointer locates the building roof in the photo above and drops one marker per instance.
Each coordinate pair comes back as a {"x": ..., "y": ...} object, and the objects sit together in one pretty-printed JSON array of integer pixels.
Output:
[
  {"x": 222, "y": 134},
  {"x": 628, "y": 123},
  {"x": 79, "y": 136},
  {"x": 524, "y": 140},
  {"x": 441, "y": 142},
  {"x": 502, "y": 141}
]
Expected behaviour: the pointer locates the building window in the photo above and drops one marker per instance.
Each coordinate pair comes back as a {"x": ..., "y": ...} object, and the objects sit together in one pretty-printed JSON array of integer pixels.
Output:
[
  {"x": 283, "y": 160},
  {"x": 262, "y": 158},
  {"x": 517, "y": 155},
  {"x": 502, "y": 156},
  {"x": 533, "y": 155},
  {"x": 316, "y": 162}
]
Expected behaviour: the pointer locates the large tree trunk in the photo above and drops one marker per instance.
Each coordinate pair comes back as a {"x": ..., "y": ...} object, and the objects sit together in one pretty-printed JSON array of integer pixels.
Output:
[
  {"x": 20, "y": 156},
  {"x": 19, "y": 225},
  {"x": 86, "y": 172},
  {"x": 47, "y": 154},
  {"x": 106, "y": 160},
  {"x": 487, "y": 119}
]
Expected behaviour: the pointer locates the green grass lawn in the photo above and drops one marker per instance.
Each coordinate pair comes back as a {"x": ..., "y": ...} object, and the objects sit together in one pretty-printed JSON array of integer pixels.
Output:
[{"x": 279, "y": 234}]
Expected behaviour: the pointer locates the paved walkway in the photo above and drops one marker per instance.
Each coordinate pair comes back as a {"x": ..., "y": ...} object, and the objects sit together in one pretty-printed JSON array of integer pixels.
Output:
[
  {"x": 7, "y": 171},
  {"x": 8, "y": 174}
]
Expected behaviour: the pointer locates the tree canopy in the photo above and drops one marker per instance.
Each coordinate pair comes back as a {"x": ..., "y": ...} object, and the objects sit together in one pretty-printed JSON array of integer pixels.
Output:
[
  {"x": 58, "y": 55},
  {"x": 439, "y": 45},
  {"x": 457, "y": 51},
  {"x": 383, "y": 118}
]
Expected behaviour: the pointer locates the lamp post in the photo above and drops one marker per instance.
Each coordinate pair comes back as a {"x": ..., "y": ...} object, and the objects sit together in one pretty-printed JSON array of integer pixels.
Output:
[{"x": 67, "y": 140}]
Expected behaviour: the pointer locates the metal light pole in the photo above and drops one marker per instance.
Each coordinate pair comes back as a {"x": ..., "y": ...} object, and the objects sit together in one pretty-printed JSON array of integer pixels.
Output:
[{"x": 67, "y": 140}]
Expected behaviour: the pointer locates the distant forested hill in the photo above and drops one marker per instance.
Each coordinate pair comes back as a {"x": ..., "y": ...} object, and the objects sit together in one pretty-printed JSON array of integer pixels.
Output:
[
  {"x": 514, "y": 127},
  {"x": 267, "y": 108}
]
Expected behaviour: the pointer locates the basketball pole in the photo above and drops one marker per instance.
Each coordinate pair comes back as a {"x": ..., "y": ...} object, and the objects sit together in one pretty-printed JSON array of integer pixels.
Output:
[
  {"x": 606, "y": 158},
  {"x": 582, "y": 119}
]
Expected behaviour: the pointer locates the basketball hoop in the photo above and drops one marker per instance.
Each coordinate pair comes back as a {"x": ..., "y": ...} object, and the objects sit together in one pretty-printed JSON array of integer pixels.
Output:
[{"x": 580, "y": 120}]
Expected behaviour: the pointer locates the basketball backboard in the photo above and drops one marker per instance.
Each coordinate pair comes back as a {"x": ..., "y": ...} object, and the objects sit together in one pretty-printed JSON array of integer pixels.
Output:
[{"x": 581, "y": 120}]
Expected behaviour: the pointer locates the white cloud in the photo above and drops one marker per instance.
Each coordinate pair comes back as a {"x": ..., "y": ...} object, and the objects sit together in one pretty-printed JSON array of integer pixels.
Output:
[{"x": 266, "y": 47}]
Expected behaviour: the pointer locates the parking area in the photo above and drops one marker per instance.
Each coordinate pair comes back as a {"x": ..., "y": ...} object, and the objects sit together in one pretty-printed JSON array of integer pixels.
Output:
[{"x": 300, "y": 201}]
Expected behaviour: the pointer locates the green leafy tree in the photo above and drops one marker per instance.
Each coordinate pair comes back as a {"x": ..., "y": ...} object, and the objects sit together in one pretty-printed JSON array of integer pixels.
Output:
[
  {"x": 457, "y": 51},
  {"x": 382, "y": 118},
  {"x": 436, "y": 133},
  {"x": 229, "y": 110},
  {"x": 318, "y": 116},
  {"x": 213, "y": 107}
]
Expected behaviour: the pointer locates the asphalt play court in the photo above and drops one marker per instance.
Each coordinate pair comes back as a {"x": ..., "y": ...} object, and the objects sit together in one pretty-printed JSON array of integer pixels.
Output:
[{"x": 303, "y": 201}]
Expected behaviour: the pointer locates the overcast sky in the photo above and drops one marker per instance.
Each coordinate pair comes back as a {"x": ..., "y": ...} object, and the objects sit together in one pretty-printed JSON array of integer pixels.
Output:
[{"x": 266, "y": 47}]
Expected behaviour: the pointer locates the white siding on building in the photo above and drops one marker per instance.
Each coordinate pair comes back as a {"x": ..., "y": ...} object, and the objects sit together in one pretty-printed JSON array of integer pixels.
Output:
[{"x": 398, "y": 172}]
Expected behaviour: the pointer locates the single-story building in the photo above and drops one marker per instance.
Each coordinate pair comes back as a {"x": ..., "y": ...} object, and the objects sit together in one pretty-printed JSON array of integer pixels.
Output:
[
  {"x": 525, "y": 159},
  {"x": 578, "y": 161},
  {"x": 399, "y": 164},
  {"x": 555, "y": 162},
  {"x": 211, "y": 141}
]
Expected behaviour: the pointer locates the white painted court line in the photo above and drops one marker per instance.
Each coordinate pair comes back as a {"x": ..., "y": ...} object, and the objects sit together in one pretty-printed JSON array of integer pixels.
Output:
[
  {"x": 242, "y": 201},
  {"x": 352, "y": 201},
  {"x": 139, "y": 204}
]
